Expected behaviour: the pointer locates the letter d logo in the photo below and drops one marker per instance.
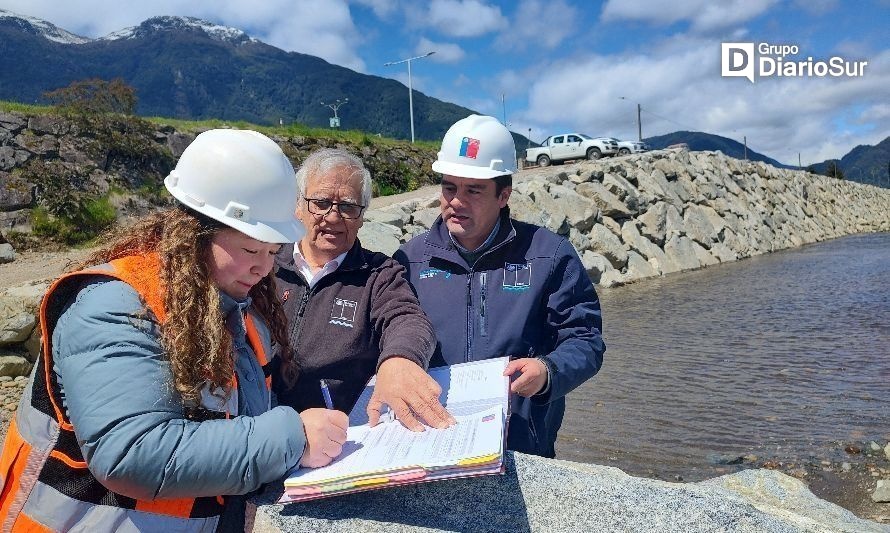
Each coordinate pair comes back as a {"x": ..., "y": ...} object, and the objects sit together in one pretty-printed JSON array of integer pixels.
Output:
[{"x": 737, "y": 60}]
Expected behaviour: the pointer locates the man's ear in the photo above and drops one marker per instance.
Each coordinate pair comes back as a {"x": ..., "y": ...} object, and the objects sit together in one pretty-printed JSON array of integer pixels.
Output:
[{"x": 504, "y": 197}]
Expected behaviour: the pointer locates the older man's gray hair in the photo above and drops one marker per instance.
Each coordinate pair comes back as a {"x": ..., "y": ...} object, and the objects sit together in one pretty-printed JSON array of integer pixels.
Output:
[{"x": 328, "y": 159}]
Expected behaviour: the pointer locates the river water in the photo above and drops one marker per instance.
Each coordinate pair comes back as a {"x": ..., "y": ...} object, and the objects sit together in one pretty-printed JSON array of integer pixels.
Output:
[{"x": 785, "y": 356}]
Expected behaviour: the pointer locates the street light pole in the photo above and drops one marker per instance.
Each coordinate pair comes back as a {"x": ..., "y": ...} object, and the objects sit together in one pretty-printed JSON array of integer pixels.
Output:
[
  {"x": 639, "y": 121},
  {"x": 335, "y": 123},
  {"x": 410, "y": 92}
]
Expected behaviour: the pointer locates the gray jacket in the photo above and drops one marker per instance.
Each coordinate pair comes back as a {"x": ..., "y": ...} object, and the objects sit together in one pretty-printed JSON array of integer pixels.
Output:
[{"x": 131, "y": 425}]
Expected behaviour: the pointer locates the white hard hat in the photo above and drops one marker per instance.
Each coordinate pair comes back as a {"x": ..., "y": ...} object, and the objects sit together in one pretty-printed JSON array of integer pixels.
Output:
[
  {"x": 477, "y": 147},
  {"x": 242, "y": 179}
]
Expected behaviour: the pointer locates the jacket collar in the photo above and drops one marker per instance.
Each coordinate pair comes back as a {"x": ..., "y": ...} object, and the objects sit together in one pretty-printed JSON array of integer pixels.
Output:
[
  {"x": 356, "y": 258},
  {"x": 440, "y": 245}
]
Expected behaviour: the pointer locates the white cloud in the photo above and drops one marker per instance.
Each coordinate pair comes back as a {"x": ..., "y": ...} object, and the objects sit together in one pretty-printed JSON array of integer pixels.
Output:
[
  {"x": 539, "y": 23},
  {"x": 464, "y": 18},
  {"x": 445, "y": 52},
  {"x": 704, "y": 15},
  {"x": 683, "y": 90}
]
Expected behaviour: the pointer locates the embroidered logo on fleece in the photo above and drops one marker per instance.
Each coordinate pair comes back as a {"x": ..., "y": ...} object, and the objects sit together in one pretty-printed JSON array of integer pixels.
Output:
[
  {"x": 285, "y": 296},
  {"x": 343, "y": 312},
  {"x": 433, "y": 272},
  {"x": 517, "y": 277}
]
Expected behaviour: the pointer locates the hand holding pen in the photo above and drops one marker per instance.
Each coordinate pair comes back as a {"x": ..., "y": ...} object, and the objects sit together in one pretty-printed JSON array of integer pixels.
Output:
[{"x": 325, "y": 431}]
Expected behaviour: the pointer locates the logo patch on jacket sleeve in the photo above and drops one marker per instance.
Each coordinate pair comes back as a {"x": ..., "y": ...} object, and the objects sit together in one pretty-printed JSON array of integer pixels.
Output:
[
  {"x": 517, "y": 277},
  {"x": 343, "y": 312},
  {"x": 433, "y": 272}
]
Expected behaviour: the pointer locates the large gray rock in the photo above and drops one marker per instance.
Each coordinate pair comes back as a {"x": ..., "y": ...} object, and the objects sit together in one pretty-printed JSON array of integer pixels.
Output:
[
  {"x": 660, "y": 222},
  {"x": 595, "y": 264},
  {"x": 882, "y": 491},
  {"x": 580, "y": 212},
  {"x": 16, "y": 324},
  {"x": 544, "y": 495},
  {"x": 380, "y": 237},
  {"x": 392, "y": 217},
  {"x": 18, "y": 311},
  {"x": 648, "y": 249},
  {"x": 14, "y": 365},
  {"x": 608, "y": 203},
  {"x": 638, "y": 268},
  {"x": 425, "y": 217},
  {"x": 10, "y": 157},
  {"x": 656, "y": 185},
  {"x": 7, "y": 253},
  {"x": 702, "y": 224},
  {"x": 609, "y": 245},
  {"x": 680, "y": 254},
  {"x": 49, "y": 124}
]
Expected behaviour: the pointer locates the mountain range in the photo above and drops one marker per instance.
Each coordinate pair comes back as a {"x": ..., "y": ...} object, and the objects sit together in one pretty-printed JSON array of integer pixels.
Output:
[
  {"x": 187, "y": 68},
  {"x": 697, "y": 140}
]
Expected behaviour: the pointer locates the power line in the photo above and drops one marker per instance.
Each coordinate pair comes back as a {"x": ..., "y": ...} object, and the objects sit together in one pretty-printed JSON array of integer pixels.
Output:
[{"x": 671, "y": 121}]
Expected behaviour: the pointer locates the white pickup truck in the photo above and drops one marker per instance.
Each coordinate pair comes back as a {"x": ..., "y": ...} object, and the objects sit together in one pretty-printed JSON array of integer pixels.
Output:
[{"x": 569, "y": 146}]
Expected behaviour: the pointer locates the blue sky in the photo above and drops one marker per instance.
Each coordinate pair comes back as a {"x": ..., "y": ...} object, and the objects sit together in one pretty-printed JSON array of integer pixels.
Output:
[{"x": 563, "y": 65}]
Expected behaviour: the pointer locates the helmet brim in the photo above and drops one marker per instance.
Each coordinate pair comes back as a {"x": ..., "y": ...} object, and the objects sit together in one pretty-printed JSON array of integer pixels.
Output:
[
  {"x": 271, "y": 231},
  {"x": 467, "y": 171}
]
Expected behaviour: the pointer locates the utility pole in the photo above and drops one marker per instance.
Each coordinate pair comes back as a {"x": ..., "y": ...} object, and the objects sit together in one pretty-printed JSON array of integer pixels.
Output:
[
  {"x": 639, "y": 121},
  {"x": 504, "y": 107},
  {"x": 799, "y": 166},
  {"x": 745, "y": 139}
]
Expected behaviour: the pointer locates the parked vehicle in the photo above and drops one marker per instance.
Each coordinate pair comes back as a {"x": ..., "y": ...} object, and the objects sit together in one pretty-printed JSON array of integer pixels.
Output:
[
  {"x": 567, "y": 146},
  {"x": 628, "y": 147},
  {"x": 611, "y": 143}
]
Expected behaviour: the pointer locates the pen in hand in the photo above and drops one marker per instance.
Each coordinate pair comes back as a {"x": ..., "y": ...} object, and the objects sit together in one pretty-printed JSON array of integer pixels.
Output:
[{"x": 326, "y": 393}]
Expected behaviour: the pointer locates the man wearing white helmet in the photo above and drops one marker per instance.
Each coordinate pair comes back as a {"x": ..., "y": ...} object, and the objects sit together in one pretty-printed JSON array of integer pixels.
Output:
[{"x": 494, "y": 286}]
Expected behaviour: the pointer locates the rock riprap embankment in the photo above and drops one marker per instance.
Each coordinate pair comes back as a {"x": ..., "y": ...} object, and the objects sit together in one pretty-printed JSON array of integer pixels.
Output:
[{"x": 666, "y": 211}]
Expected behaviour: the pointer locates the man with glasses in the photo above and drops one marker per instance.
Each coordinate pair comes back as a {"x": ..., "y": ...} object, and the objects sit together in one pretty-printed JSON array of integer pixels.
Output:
[{"x": 351, "y": 311}]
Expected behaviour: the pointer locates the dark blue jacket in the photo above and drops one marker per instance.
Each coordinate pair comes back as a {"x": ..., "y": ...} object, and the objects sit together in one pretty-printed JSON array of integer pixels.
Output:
[{"x": 527, "y": 296}]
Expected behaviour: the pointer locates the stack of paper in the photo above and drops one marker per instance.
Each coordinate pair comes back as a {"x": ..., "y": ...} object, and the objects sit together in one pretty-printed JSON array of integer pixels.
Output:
[{"x": 476, "y": 394}]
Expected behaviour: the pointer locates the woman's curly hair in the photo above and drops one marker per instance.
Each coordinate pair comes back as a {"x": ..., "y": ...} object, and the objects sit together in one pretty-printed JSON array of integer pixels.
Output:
[{"x": 194, "y": 334}]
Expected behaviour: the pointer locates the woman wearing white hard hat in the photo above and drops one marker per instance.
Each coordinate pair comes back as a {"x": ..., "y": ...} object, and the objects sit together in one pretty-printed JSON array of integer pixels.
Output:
[{"x": 150, "y": 408}]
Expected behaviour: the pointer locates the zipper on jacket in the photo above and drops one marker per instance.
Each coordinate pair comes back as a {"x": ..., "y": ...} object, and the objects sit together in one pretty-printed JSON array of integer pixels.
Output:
[
  {"x": 297, "y": 327},
  {"x": 469, "y": 316},
  {"x": 482, "y": 329},
  {"x": 303, "y": 301}
]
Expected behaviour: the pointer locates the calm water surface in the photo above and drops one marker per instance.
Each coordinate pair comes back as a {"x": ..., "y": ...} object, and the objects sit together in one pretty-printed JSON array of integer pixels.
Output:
[{"x": 782, "y": 356}]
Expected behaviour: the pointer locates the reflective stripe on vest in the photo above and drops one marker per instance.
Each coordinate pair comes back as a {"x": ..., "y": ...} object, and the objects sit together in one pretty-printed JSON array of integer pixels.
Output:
[{"x": 44, "y": 480}]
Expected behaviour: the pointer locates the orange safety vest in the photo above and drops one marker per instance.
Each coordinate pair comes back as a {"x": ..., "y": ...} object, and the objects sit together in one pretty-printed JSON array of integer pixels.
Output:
[{"x": 45, "y": 483}]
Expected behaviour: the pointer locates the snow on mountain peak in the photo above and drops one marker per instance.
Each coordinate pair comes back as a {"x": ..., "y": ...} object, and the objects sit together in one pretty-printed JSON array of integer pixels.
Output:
[
  {"x": 222, "y": 33},
  {"x": 44, "y": 28}
]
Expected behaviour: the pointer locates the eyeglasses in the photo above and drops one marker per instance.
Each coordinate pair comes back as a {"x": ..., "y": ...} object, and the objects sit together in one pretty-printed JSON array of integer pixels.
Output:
[{"x": 320, "y": 206}]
